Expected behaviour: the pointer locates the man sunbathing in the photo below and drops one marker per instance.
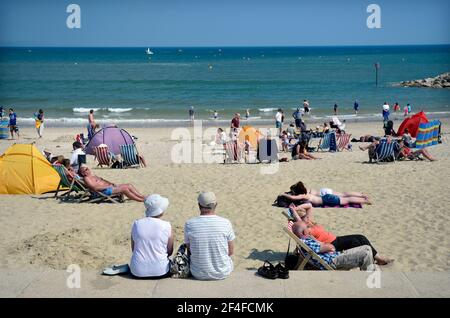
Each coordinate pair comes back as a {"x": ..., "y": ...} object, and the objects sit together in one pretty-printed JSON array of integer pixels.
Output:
[
  {"x": 108, "y": 188},
  {"x": 340, "y": 243}
]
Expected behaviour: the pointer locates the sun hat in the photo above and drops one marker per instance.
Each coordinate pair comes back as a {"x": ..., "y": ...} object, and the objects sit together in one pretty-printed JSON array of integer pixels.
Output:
[
  {"x": 207, "y": 199},
  {"x": 155, "y": 205}
]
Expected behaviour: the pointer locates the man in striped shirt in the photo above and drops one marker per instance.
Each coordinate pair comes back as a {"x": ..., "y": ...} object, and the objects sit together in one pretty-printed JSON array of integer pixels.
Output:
[{"x": 209, "y": 238}]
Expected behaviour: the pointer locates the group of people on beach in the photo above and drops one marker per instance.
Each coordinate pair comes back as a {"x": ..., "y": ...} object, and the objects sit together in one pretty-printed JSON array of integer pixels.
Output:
[{"x": 14, "y": 127}]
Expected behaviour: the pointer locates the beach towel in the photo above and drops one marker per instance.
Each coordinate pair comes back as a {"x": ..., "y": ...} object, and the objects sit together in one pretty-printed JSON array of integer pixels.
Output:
[{"x": 356, "y": 206}]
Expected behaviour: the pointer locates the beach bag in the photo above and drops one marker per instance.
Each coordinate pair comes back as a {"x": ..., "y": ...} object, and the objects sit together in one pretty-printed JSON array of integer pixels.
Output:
[
  {"x": 291, "y": 259},
  {"x": 180, "y": 265}
]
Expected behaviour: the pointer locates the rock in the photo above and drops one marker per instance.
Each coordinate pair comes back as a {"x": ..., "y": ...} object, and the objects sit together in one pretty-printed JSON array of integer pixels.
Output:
[{"x": 440, "y": 81}]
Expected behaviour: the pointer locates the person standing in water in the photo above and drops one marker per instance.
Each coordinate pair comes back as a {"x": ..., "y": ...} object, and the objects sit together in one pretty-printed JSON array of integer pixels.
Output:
[
  {"x": 356, "y": 107},
  {"x": 39, "y": 117},
  {"x": 191, "y": 113},
  {"x": 306, "y": 106},
  {"x": 92, "y": 125},
  {"x": 216, "y": 114},
  {"x": 247, "y": 114},
  {"x": 335, "y": 108}
]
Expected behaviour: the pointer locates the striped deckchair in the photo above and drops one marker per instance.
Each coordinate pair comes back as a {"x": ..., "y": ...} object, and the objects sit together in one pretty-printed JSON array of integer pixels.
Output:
[
  {"x": 343, "y": 141},
  {"x": 428, "y": 134},
  {"x": 130, "y": 155},
  {"x": 305, "y": 253},
  {"x": 78, "y": 186},
  {"x": 233, "y": 152},
  {"x": 102, "y": 156},
  {"x": 328, "y": 141},
  {"x": 384, "y": 150}
]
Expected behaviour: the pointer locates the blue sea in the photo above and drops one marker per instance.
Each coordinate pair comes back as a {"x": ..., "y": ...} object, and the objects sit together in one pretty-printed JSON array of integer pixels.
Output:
[{"x": 130, "y": 86}]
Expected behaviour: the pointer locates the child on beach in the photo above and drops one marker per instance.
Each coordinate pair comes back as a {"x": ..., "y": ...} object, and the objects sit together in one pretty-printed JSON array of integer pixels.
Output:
[
  {"x": 284, "y": 141},
  {"x": 39, "y": 118}
]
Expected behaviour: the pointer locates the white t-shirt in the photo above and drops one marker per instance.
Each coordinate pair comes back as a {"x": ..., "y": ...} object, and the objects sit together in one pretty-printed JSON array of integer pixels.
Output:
[
  {"x": 74, "y": 158},
  {"x": 150, "y": 236},
  {"x": 385, "y": 107},
  {"x": 222, "y": 138},
  {"x": 208, "y": 237},
  {"x": 278, "y": 116},
  {"x": 325, "y": 191}
]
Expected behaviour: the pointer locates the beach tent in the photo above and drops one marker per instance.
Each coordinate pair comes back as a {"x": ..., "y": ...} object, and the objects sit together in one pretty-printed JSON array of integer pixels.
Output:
[
  {"x": 250, "y": 134},
  {"x": 112, "y": 136},
  {"x": 412, "y": 123},
  {"x": 4, "y": 130},
  {"x": 24, "y": 170}
]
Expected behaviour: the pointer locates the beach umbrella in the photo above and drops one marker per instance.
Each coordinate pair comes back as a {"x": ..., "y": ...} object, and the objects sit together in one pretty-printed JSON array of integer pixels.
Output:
[
  {"x": 412, "y": 123},
  {"x": 112, "y": 136}
]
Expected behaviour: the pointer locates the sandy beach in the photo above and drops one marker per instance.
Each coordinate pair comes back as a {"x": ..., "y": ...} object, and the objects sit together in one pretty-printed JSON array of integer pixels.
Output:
[{"x": 408, "y": 220}]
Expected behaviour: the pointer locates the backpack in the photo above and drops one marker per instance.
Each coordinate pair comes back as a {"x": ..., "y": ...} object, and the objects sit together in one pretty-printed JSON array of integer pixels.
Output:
[{"x": 180, "y": 265}]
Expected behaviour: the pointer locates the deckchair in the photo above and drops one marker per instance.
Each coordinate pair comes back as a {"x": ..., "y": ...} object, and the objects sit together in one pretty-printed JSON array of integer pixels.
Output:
[
  {"x": 328, "y": 141},
  {"x": 130, "y": 155},
  {"x": 66, "y": 184},
  {"x": 102, "y": 156},
  {"x": 78, "y": 186},
  {"x": 383, "y": 151},
  {"x": 305, "y": 252},
  {"x": 343, "y": 141},
  {"x": 233, "y": 152}
]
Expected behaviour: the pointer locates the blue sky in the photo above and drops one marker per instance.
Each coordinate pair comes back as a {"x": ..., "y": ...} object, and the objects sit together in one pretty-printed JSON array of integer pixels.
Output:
[{"x": 223, "y": 23}]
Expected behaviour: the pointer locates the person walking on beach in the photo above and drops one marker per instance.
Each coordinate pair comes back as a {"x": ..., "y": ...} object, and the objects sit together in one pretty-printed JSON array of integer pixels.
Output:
[
  {"x": 405, "y": 111},
  {"x": 335, "y": 108},
  {"x": 39, "y": 118},
  {"x": 209, "y": 239},
  {"x": 92, "y": 125},
  {"x": 191, "y": 113},
  {"x": 297, "y": 115},
  {"x": 13, "y": 123},
  {"x": 356, "y": 107},
  {"x": 306, "y": 106},
  {"x": 279, "y": 120},
  {"x": 386, "y": 108},
  {"x": 152, "y": 241}
]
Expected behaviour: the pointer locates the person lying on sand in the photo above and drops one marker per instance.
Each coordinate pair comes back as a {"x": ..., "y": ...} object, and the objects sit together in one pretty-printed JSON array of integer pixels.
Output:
[
  {"x": 340, "y": 243},
  {"x": 360, "y": 257},
  {"x": 106, "y": 187},
  {"x": 325, "y": 196}
]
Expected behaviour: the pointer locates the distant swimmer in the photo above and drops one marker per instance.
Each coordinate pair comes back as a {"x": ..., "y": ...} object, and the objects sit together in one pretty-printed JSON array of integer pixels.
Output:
[
  {"x": 216, "y": 114},
  {"x": 306, "y": 106},
  {"x": 247, "y": 114},
  {"x": 191, "y": 113}
]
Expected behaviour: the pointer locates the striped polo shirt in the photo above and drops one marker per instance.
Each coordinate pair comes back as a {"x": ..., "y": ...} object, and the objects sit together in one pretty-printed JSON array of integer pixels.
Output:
[{"x": 208, "y": 237}]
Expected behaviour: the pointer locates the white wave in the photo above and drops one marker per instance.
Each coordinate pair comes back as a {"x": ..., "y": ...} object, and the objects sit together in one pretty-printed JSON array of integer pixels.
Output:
[
  {"x": 84, "y": 109},
  {"x": 265, "y": 110},
  {"x": 119, "y": 110}
]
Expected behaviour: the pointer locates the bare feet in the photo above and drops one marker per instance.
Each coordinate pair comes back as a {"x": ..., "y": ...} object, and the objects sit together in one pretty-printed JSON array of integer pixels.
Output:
[{"x": 382, "y": 260}]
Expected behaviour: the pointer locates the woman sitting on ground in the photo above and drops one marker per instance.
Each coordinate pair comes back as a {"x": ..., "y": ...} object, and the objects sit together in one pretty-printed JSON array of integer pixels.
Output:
[
  {"x": 299, "y": 152},
  {"x": 152, "y": 241},
  {"x": 406, "y": 153},
  {"x": 325, "y": 196},
  {"x": 341, "y": 243}
]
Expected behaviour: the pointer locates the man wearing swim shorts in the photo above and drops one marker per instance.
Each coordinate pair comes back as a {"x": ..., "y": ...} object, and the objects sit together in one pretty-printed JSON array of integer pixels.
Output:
[{"x": 108, "y": 188}]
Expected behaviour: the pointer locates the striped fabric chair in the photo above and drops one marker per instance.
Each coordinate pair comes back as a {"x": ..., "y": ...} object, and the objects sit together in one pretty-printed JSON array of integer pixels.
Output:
[
  {"x": 66, "y": 184},
  {"x": 384, "y": 151},
  {"x": 130, "y": 155},
  {"x": 343, "y": 141},
  {"x": 305, "y": 253},
  {"x": 233, "y": 152},
  {"x": 102, "y": 156},
  {"x": 327, "y": 142}
]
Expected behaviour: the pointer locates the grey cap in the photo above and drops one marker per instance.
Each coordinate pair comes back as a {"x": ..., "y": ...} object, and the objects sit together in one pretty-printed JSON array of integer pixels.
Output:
[{"x": 207, "y": 200}]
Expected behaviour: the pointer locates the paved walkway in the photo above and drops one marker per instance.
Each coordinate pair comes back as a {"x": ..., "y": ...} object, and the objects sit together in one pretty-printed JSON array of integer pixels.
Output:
[{"x": 243, "y": 284}]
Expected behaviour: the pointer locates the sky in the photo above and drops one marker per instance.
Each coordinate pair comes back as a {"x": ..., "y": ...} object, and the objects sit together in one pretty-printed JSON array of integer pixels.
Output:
[{"x": 157, "y": 23}]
